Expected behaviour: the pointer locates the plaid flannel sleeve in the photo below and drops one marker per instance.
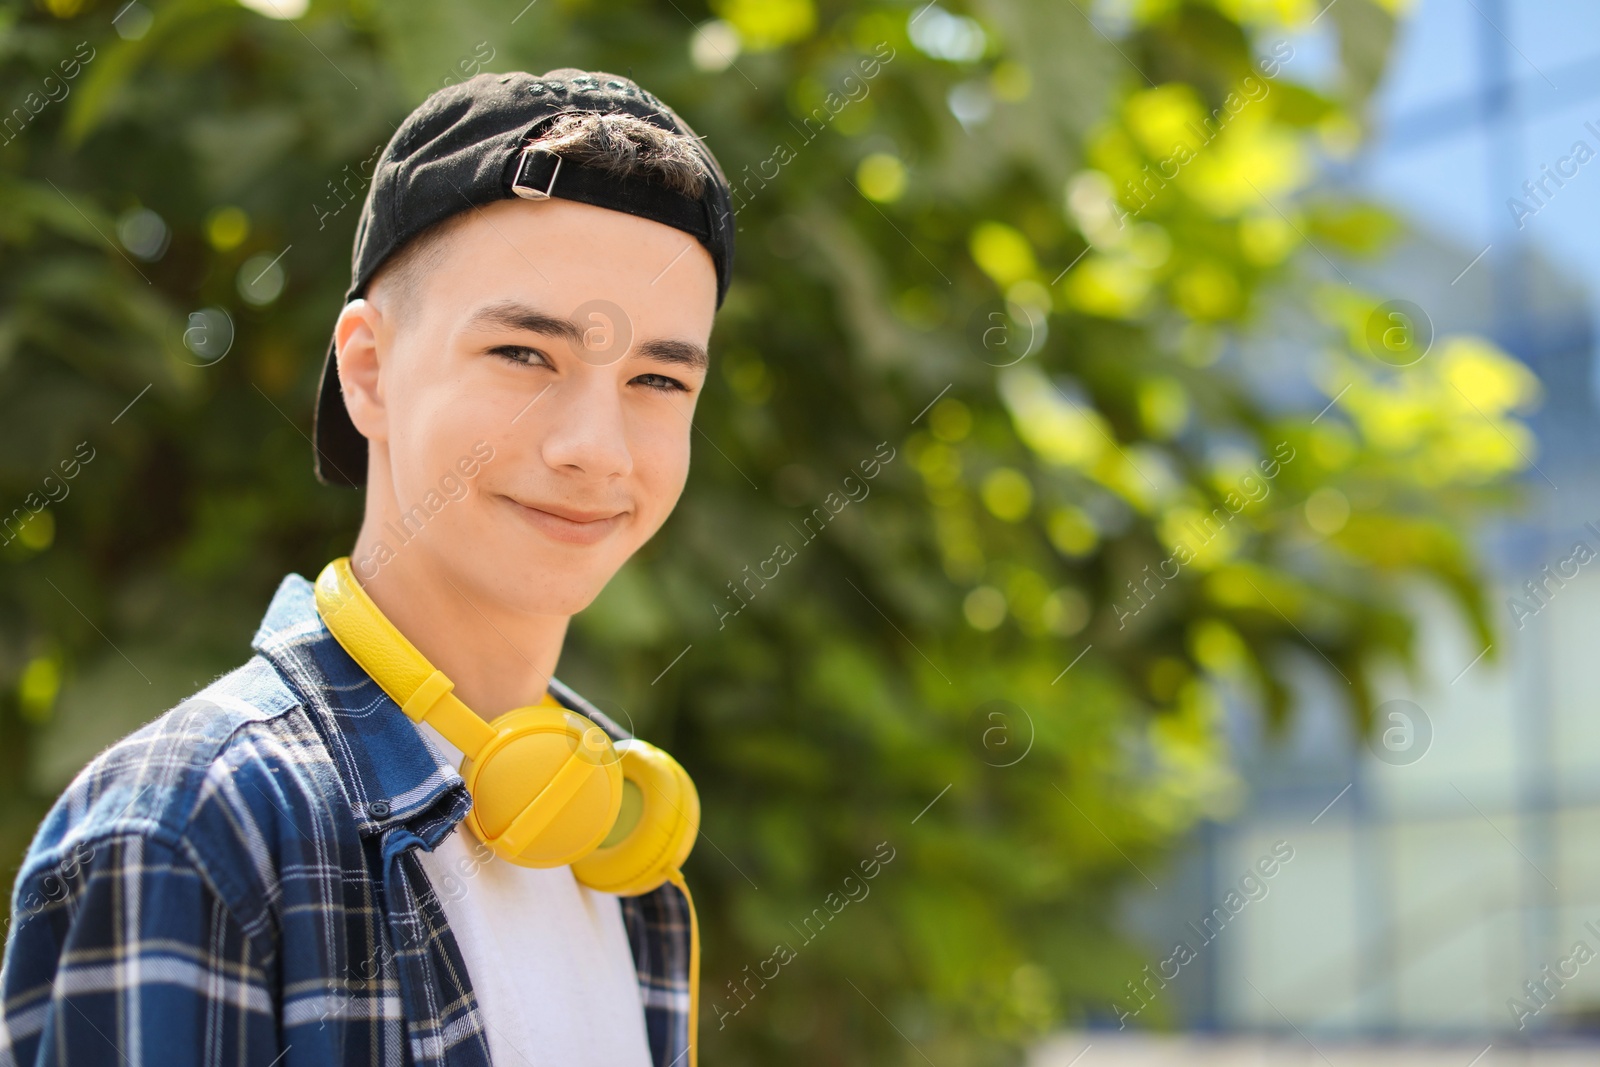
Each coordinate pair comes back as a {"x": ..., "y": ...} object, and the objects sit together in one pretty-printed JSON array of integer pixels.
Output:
[{"x": 122, "y": 953}]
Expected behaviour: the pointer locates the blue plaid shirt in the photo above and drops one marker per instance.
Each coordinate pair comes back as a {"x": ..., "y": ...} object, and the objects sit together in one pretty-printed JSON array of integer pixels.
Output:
[{"x": 238, "y": 883}]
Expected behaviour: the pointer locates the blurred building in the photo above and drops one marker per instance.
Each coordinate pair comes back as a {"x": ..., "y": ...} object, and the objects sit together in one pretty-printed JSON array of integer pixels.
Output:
[{"x": 1446, "y": 897}]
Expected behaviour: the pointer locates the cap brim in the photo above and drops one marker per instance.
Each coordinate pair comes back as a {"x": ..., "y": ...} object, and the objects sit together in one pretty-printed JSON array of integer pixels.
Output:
[{"x": 341, "y": 450}]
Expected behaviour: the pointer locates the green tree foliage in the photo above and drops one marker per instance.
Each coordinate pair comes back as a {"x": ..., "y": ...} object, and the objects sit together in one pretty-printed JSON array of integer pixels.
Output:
[{"x": 1096, "y": 510}]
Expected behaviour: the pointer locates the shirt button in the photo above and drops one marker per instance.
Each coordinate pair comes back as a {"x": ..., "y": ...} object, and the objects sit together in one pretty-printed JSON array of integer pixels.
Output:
[{"x": 378, "y": 809}]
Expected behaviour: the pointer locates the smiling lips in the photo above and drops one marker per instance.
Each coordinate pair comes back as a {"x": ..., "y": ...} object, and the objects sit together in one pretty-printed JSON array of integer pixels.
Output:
[{"x": 571, "y": 525}]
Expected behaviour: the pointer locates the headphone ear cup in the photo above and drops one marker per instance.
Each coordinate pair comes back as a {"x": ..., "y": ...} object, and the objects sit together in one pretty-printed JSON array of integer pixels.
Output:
[
  {"x": 546, "y": 790},
  {"x": 662, "y": 834}
]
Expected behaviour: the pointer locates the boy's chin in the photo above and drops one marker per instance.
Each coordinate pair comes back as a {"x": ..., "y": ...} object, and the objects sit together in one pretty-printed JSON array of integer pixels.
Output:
[
  {"x": 563, "y": 582},
  {"x": 541, "y": 594}
]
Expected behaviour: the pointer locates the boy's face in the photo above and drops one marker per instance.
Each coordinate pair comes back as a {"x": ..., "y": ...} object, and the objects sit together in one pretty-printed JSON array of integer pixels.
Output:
[{"x": 565, "y": 342}]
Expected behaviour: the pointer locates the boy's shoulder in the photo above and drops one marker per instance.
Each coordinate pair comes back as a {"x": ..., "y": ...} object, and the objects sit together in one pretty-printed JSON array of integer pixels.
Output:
[
  {"x": 268, "y": 783},
  {"x": 236, "y": 747}
]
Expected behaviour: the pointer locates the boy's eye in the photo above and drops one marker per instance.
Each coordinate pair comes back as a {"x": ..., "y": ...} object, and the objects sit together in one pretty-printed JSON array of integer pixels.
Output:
[
  {"x": 661, "y": 382},
  {"x": 522, "y": 354},
  {"x": 534, "y": 357}
]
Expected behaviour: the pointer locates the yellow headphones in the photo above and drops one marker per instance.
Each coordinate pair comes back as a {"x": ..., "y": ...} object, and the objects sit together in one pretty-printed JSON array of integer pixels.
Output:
[{"x": 548, "y": 786}]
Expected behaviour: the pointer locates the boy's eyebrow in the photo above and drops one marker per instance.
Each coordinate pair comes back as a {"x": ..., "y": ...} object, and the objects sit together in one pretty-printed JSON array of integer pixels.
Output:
[
  {"x": 664, "y": 350},
  {"x": 513, "y": 315}
]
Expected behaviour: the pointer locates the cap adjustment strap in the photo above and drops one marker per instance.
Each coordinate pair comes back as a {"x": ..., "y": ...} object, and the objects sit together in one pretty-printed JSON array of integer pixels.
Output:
[
  {"x": 534, "y": 178},
  {"x": 529, "y": 171}
]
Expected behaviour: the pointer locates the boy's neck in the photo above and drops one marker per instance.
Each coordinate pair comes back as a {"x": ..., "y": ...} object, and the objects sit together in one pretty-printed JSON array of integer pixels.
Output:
[{"x": 498, "y": 659}]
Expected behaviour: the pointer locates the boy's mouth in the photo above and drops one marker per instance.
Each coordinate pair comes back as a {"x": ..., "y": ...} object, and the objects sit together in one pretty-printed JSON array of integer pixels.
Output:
[{"x": 576, "y": 526}]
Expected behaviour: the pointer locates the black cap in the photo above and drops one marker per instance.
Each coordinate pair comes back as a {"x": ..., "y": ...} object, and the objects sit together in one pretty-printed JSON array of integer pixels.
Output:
[{"x": 465, "y": 146}]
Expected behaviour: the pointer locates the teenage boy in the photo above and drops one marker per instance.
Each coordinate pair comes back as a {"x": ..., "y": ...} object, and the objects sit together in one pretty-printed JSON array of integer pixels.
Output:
[{"x": 272, "y": 873}]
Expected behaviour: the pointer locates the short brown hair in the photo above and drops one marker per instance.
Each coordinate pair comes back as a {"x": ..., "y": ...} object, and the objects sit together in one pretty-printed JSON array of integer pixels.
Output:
[{"x": 615, "y": 142}]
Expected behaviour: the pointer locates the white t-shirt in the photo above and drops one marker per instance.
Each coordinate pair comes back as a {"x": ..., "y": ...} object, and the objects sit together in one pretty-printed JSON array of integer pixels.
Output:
[{"x": 548, "y": 958}]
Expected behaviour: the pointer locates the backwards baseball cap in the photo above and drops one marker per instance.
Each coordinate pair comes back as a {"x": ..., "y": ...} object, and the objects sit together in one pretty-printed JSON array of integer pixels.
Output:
[{"x": 469, "y": 145}]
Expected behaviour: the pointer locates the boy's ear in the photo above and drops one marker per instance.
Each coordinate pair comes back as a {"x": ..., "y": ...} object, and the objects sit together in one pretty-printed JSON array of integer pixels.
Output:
[{"x": 355, "y": 338}]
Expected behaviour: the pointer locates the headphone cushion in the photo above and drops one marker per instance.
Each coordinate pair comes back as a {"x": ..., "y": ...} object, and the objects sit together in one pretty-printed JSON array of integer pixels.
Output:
[
  {"x": 661, "y": 840},
  {"x": 531, "y": 745}
]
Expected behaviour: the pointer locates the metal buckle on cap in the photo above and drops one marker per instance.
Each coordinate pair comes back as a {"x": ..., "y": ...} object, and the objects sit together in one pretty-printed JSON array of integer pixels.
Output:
[{"x": 528, "y": 192}]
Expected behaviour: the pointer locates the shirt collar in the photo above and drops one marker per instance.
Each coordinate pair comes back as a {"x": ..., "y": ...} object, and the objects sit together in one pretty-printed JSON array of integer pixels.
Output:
[{"x": 392, "y": 776}]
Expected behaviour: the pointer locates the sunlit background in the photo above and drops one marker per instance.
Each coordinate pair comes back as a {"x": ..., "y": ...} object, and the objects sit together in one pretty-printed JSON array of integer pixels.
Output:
[{"x": 1229, "y": 585}]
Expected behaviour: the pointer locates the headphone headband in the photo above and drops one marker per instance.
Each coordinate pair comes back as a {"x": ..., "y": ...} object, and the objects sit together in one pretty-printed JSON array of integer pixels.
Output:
[{"x": 424, "y": 693}]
